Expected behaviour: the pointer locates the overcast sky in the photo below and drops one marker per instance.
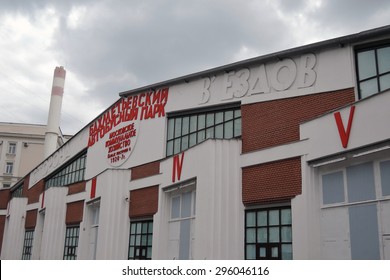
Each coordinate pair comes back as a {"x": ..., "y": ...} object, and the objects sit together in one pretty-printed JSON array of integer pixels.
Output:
[{"x": 109, "y": 46}]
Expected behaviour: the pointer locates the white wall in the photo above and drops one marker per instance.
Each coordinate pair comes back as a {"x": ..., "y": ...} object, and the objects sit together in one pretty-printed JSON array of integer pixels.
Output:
[{"x": 219, "y": 221}]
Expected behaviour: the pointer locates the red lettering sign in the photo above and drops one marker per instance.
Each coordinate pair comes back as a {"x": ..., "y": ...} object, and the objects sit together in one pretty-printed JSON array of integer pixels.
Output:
[
  {"x": 177, "y": 167},
  {"x": 344, "y": 134}
]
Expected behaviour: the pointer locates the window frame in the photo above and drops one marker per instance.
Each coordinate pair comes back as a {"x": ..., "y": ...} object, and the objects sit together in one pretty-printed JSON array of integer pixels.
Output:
[
  {"x": 267, "y": 245},
  {"x": 72, "y": 234},
  {"x": 69, "y": 173},
  {"x": 11, "y": 148},
  {"x": 365, "y": 48},
  {"x": 9, "y": 168},
  {"x": 203, "y": 130},
  {"x": 28, "y": 244},
  {"x": 133, "y": 246}
]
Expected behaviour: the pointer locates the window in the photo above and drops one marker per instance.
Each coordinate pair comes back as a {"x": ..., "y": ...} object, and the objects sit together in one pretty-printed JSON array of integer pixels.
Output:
[
  {"x": 373, "y": 70},
  {"x": 185, "y": 131},
  {"x": 268, "y": 234},
  {"x": 181, "y": 223},
  {"x": 6, "y": 185},
  {"x": 17, "y": 190},
  {"x": 68, "y": 174},
  {"x": 27, "y": 244},
  {"x": 9, "y": 168},
  {"x": 94, "y": 210},
  {"x": 71, "y": 242},
  {"x": 140, "y": 243},
  {"x": 11, "y": 148}
]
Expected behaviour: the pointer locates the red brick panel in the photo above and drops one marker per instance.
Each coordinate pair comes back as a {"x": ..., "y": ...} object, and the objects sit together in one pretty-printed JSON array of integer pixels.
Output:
[
  {"x": 145, "y": 170},
  {"x": 2, "y": 226},
  {"x": 76, "y": 188},
  {"x": 143, "y": 202},
  {"x": 31, "y": 219},
  {"x": 273, "y": 181},
  {"x": 276, "y": 122},
  {"x": 74, "y": 212},
  {"x": 34, "y": 192},
  {"x": 5, "y": 196}
]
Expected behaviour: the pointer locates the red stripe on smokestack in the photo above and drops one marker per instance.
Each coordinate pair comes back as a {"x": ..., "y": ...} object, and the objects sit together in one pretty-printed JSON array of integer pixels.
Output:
[{"x": 57, "y": 91}]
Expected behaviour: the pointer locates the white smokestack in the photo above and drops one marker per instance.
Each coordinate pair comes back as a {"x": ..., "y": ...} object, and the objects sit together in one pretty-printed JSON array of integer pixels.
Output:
[{"x": 53, "y": 120}]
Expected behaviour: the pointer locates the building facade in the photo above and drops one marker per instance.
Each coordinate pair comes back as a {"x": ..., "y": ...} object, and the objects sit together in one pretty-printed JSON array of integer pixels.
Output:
[{"x": 284, "y": 156}]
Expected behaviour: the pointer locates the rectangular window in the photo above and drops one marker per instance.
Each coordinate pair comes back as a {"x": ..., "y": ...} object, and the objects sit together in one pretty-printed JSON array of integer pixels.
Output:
[
  {"x": 268, "y": 234},
  {"x": 373, "y": 70},
  {"x": 385, "y": 177},
  {"x": 140, "y": 243},
  {"x": 71, "y": 242},
  {"x": 9, "y": 168},
  {"x": 69, "y": 174},
  {"x": 27, "y": 244},
  {"x": 333, "y": 188},
  {"x": 187, "y": 130},
  {"x": 12, "y": 148}
]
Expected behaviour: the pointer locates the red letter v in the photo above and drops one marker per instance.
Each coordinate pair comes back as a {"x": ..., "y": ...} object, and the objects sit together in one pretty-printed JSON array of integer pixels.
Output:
[{"x": 344, "y": 135}]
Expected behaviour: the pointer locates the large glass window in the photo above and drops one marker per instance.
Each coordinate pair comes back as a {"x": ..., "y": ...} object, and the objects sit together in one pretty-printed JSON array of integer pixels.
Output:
[
  {"x": 187, "y": 130},
  {"x": 69, "y": 174},
  {"x": 71, "y": 242},
  {"x": 268, "y": 234},
  {"x": 27, "y": 244},
  {"x": 373, "y": 70},
  {"x": 140, "y": 243}
]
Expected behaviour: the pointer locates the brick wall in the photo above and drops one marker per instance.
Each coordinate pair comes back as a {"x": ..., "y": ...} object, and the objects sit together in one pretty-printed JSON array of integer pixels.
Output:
[
  {"x": 74, "y": 212},
  {"x": 31, "y": 219},
  {"x": 76, "y": 188},
  {"x": 5, "y": 196},
  {"x": 272, "y": 181},
  {"x": 276, "y": 122},
  {"x": 34, "y": 192},
  {"x": 145, "y": 170},
  {"x": 2, "y": 225},
  {"x": 143, "y": 202}
]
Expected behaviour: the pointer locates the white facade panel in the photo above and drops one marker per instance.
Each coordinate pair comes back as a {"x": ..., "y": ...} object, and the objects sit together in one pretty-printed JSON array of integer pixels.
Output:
[{"x": 14, "y": 230}]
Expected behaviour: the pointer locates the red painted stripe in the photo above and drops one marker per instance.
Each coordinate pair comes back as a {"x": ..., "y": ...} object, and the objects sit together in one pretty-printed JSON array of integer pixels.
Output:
[
  {"x": 93, "y": 188},
  {"x": 57, "y": 91}
]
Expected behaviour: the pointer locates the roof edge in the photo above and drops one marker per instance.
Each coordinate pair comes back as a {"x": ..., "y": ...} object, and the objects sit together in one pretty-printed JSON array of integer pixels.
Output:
[{"x": 339, "y": 41}]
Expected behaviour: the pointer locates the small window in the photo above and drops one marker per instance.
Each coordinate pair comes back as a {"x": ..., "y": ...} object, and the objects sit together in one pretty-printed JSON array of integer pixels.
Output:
[
  {"x": 27, "y": 244},
  {"x": 140, "y": 243},
  {"x": 71, "y": 242},
  {"x": 373, "y": 70},
  {"x": 268, "y": 233},
  {"x": 9, "y": 168},
  {"x": 12, "y": 148}
]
